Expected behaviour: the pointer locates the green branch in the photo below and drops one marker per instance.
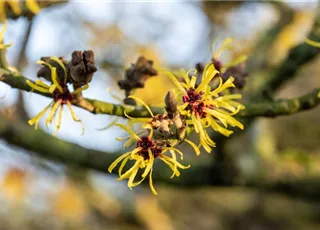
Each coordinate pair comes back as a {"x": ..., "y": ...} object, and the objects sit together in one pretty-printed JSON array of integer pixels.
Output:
[
  {"x": 262, "y": 109},
  {"x": 282, "y": 106}
]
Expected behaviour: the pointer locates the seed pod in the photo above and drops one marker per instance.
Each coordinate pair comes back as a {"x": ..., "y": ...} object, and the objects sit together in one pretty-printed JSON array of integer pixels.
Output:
[
  {"x": 238, "y": 73},
  {"x": 82, "y": 67},
  {"x": 136, "y": 76}
]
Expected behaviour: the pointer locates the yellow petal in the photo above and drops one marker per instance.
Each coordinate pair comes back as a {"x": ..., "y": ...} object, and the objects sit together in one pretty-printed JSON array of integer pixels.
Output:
[
  {"x": 175, "y": 81},
  {"x": 33, "y": 6},
  {"x": 123, "y": 163},
  {"x": 313, "y": 43},
  {"x": 143, "y": 103},
  {"x": 225, "y": 45},
  {"x": 56, "y": 59},
  {"x": 52, "y": 112},
  {"x": 206, "y": 80},
  {"x": 59, "y": 120},
  {"x": 176, "y": 150},
  {"x": 36, "y": 119},
  {"x": 171, "y": 166},
  {"x": 79, "y": 90},
  {"x": 129, "y": 131},
  {"x": 37, "y": 87},
  {"x": 73, "y": 115},
  {"x": 15, "y": 6},
  {"x": 196, "y": 149},
  {"x": 150, "y": 164},
  {"x": 151, "y": 183},
  {"x": 131, "y": 178},
  {"x": 3, "y": 16},
  {"x": 136, "y": 120},
  {"x": 174, "y": 158},
  {"x": 42, "y": 84},
  {"x": 227, "y": 84},
  {"x": 116, "y": 162},
  {"x": 129, "y": 172},
  {"x": 175, "y": 162}
]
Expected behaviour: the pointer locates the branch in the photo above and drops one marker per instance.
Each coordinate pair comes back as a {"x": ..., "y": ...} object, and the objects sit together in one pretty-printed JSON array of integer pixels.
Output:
[
  {"x": 262, "y": 109},
  {"x": 282, "y": 106}
]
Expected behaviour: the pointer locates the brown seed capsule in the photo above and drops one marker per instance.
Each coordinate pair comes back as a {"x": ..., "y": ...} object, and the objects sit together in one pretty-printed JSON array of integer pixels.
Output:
[
  {"x": 238, "y": 73},
  {"x": 82, "y": 67},
  {"x": 45, "y": 71},
  {"x": 136, "y": 76}
]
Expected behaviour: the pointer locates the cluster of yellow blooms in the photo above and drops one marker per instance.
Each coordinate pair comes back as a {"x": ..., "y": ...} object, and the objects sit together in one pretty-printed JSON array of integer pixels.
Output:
[
  {"x": 201, "y": 104},
  {"x": 60, "y": 92}
]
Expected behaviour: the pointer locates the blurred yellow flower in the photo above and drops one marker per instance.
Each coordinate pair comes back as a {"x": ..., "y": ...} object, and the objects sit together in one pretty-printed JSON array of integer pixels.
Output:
[
  {"x": 226, "y": 45},
  {"x": 16, "y": 7},
  {"x": 146, "y": 151},
  {"x": 70, "y": 204},
  {"x": 61, "y": 96},
  {"x": 14, "y": 183},
  {"x": 206, "y": 107}
]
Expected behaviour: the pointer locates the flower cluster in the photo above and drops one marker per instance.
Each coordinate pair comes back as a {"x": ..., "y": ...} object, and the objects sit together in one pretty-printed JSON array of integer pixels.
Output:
[
  {"x": 147, "y": 150},
  {"x": 151, "y": 142},
  {"x": 205, "y": 107},
  {"x": 201, "y": 102},
  {"x": 59, "y": 91}
]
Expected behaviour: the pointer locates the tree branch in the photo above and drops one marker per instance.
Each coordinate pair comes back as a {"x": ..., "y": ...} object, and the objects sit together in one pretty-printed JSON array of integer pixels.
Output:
[
  {"x": 262, "y": 109},
  {"x": 282, "y": 106}
]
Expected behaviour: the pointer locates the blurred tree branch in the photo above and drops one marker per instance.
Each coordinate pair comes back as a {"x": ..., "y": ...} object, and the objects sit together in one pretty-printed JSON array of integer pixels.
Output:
[
  {"x": 297, "y": 57},
  {"x": 260, "y": 59},
  {"x": 20, "y": 134}
]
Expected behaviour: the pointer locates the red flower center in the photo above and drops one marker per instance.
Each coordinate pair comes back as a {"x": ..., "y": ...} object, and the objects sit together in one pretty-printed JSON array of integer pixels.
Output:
[
  {"x": 195, "y": 104},
  {"x": 64, "y": 97},
  {"x": 146, "y": 143},
  {"x": 217, "y": 64}
]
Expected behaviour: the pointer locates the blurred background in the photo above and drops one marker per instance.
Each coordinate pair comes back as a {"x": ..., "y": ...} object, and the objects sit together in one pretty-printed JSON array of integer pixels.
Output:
[{"x": 267, "y": 177}]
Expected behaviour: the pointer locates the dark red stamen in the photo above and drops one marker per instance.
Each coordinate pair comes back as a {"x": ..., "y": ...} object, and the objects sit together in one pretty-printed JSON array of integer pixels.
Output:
[
  {"x": 217, "y": 64},
  {"x": 146, "y": 143},
  {"x": 195, "y": 105},
  {"x": 65, "y": 96}
]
